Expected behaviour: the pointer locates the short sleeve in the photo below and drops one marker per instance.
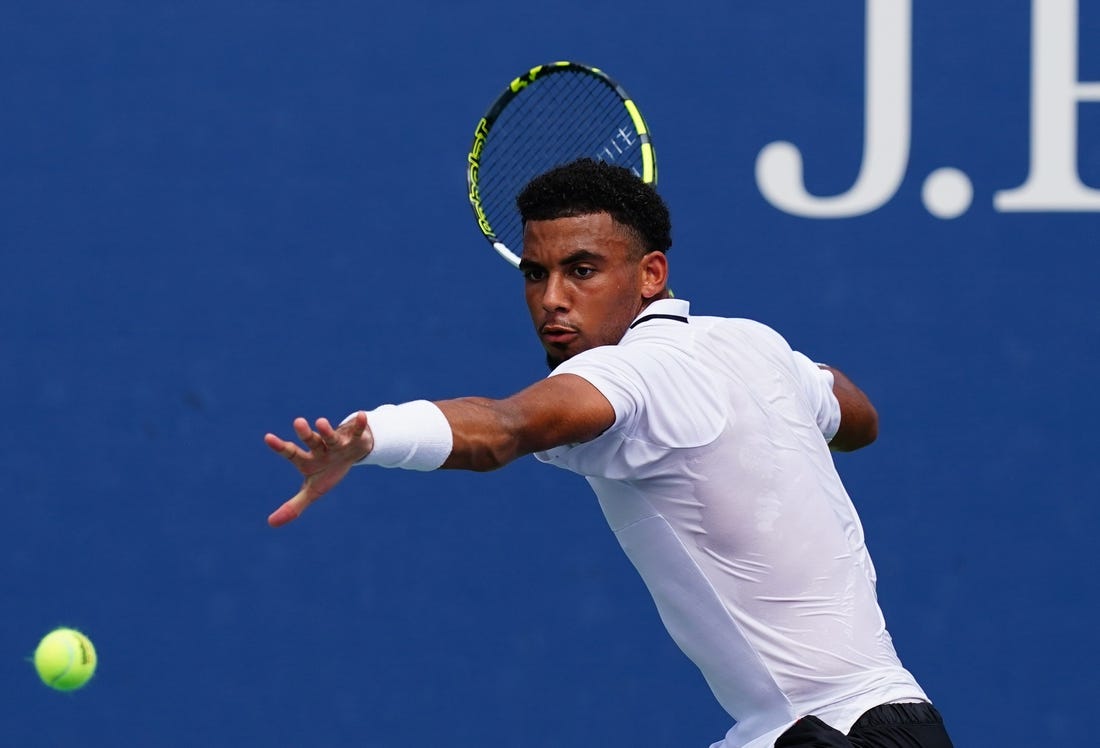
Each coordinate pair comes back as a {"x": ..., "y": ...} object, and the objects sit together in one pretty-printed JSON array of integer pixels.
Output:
[
  {"x": 660, "y": 395},
  {"x": 817, "y": 387},
  {"x": 614, "y": 376}
]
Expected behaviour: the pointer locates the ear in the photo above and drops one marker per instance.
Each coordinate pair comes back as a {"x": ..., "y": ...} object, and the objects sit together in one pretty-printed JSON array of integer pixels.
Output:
[{"x": 654, "y": 274}]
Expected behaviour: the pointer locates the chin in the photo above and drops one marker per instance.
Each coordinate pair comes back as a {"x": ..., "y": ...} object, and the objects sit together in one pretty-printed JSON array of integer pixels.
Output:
[{"x": 555, "y": 356}]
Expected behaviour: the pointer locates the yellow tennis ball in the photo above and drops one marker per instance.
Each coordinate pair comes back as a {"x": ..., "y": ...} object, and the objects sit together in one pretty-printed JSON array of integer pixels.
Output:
[{"x": 65, "y": 659}]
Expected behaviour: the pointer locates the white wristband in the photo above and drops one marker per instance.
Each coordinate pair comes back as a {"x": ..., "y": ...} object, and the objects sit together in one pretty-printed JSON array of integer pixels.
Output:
[{"x": 413, "y": 436}]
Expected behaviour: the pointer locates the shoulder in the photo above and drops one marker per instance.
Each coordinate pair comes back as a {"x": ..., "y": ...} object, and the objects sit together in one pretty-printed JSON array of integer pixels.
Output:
[
  {"x": 738, "y": 337},
  {"x": 618, "y": 371},
  {"x": 740, "y": 326}
]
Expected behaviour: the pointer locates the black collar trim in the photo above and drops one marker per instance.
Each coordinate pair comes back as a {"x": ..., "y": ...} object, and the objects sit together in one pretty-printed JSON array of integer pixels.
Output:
[{"x": 648, "y": 317}]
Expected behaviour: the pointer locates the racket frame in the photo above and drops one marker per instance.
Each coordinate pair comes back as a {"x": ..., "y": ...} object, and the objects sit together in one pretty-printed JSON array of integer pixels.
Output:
[{"x": 514, "y": 89}]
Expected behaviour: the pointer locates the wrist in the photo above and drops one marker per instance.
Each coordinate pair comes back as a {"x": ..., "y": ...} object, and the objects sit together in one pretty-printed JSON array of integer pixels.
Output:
[{"x": 412, "y": 436}]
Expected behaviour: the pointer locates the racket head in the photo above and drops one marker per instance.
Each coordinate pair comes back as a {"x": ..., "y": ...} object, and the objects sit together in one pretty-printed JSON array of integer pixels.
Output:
[{"x": 547, "y": 117}]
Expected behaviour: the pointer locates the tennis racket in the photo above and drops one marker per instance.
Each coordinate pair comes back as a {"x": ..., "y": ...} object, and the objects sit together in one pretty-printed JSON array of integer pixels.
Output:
[{"x": 549, "y": 116}]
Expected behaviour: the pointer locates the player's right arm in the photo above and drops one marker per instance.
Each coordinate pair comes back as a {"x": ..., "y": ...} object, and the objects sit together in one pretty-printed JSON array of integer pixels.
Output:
[
  {"x": 488, "y": 434},
  {"x": 858, "y": 417},
  {"x": 844, "y": 414}
]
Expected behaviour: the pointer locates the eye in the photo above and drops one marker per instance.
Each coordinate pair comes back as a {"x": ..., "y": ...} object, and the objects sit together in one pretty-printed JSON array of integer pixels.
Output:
[
  {"x": 584, "y": 271},
  {"x": 534, "y": 275}
]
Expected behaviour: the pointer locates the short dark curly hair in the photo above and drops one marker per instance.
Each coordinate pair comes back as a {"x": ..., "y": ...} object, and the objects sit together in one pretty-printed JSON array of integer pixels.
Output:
[{"x": 588, "y": 186}]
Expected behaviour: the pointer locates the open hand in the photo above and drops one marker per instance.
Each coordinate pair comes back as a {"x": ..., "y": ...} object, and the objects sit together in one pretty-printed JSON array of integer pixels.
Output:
[{"x": 330, "y": 454}]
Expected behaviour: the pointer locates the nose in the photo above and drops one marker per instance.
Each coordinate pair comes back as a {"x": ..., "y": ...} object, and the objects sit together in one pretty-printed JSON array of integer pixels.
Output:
[{"x": 555, "y": 294}]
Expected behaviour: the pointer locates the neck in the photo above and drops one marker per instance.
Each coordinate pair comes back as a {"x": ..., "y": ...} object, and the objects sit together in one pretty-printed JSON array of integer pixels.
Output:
[{"x": 664, "y": 293}]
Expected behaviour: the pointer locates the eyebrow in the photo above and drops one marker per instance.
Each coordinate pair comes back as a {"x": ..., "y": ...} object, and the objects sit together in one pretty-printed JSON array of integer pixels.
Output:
[{"x": 579, "y": 255}]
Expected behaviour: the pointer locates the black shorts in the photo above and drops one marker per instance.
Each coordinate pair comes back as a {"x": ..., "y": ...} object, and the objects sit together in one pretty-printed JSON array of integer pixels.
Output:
[{"x": 886, "y": 726}]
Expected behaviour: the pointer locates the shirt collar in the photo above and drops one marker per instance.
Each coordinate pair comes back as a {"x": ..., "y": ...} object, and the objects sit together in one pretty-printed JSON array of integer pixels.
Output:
[{"x": 664, "y": 309}]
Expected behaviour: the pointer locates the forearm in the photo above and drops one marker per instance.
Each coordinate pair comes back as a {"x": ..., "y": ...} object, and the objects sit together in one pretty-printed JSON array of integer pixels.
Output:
[
  {"x": 471, "y": 433},
  {"x": 485, "y": 434},
  {"x": 489, "y": 434}
]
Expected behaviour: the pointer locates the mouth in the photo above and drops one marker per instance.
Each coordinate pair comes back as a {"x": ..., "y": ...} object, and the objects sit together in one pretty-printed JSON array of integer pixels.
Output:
[{"x": 557, "y": 335}]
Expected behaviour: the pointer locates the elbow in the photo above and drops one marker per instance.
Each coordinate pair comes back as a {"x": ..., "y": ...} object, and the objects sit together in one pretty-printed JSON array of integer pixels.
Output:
[
  {"x": 857, "y": 432},
  {"x": 870, "y": 430},
  {"x": 869, "y": 427},
  {"x": 858, "y": 417}
]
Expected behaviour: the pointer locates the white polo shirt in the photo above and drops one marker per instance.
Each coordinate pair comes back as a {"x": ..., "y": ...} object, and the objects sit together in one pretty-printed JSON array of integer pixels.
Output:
[{"x": 717, "y": 480}]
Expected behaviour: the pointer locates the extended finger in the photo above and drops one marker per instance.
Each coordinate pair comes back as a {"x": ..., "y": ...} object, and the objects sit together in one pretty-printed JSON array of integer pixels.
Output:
[
  {"x": 287, "y": 449},
  {"x": 357, "y": 423},
  {"x": 291, "y": 509},
  {"x": 326, "y": 432},
  {"x": 302, "y": 429},
  {"x": 308, "y": 436}
]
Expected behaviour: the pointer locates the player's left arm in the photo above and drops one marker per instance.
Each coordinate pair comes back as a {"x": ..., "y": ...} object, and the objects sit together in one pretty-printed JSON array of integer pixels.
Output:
[
  {"x": 858, "y": 417},
  {"x": 484, "y": 434},
  {"x": 488, "y": 434},
  {"x": 329, "y": 454}
]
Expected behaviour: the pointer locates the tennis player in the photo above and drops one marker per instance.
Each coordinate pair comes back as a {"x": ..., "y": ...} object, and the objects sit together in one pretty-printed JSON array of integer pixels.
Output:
[{"x": 707, "y": 441}]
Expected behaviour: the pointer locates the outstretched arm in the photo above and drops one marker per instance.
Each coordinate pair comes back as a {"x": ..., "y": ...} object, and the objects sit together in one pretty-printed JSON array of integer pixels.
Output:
[
  {"x": 858, "y": 418},
  {"x": 486, "y": 434}
]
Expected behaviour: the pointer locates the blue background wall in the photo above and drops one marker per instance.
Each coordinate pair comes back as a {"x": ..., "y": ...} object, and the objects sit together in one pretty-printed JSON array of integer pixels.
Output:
[{"x": 216, "y": 216}]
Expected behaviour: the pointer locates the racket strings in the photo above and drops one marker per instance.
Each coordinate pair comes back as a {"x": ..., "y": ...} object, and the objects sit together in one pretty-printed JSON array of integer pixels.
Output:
[
  {"x": 607, "y": 113},
  {"x": 555, "y": 120}
]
